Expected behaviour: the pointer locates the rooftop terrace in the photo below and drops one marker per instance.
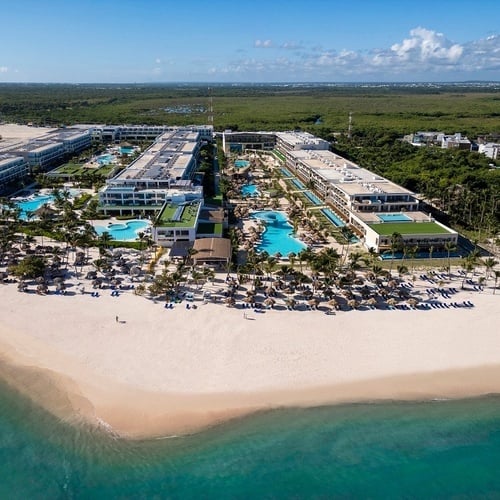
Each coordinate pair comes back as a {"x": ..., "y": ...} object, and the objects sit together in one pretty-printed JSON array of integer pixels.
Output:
[
  {"x": 178, "y": 215},
  {"x": 407, "y": 228}
]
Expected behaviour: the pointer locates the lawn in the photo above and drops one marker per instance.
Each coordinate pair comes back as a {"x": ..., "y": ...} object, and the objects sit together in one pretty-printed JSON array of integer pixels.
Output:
[{"x": 405, "y": 228}]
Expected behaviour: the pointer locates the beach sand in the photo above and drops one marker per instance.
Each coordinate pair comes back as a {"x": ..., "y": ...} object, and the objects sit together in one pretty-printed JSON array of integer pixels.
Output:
[{"x": 162, "y": 372}]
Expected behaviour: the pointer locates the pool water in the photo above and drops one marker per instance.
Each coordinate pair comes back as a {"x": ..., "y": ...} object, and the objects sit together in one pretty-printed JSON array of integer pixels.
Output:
[
  {"x": 32, "y": 204},
  {"x": 286, "y": 172},
  {"x": 298, "y": 183},
  {"x": 332, "y": 217},
  {"x": 313, "y": 198},
  {"x": 105, "y": 159},
  {"x": 125, "y": 231},
  {"x": 241, "y": 163},
  {"x": 125, "y": 150},
  {"x": 250, "y": 190},
  {"x": 277, "y": 236},
  {"x": 396, "y": 217}
]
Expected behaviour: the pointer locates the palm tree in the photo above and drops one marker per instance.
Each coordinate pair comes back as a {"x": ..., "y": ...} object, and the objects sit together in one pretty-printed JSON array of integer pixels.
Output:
[
  {"x": 104, "y": 241},
  {"x": 489, "y": 264},
  {"x": 497, "y": 275},
  {"x": 449, "y": 246},
  {"x": 396, "y": 242}
]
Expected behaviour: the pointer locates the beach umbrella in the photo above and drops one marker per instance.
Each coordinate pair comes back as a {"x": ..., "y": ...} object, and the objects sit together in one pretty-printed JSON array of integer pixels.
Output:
[
  {"x": 291, "y": 303},
  {"x": 230, "y": 302},
  {"x": 333, "y": 303},
  {"x": 392, "y": 301},
  {"x": 313, "y": 303},
  {"x": 372, "y": 301},
  {"x": 269, "y": 302},
  {"x": 412, "y": 302},
  {"x": 354, "y": 304}
]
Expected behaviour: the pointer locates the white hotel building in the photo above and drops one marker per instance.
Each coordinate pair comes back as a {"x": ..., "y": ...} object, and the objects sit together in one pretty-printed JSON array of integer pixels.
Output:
[
  {"x": 365, "y": 201},
  {"x": 12, "y": 168},
  {"x": 163, "y": 173}
]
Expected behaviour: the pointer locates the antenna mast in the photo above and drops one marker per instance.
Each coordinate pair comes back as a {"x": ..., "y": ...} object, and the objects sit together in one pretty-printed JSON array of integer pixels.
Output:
[{"x": 349, "y": 130}]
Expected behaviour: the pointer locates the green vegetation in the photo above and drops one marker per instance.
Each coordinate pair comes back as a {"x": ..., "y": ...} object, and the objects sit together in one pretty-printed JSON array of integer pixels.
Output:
[
  {"x": 320, "y": 109},
  {"x": 177, "y": 215},
  {"x": 388, "y": 228}
]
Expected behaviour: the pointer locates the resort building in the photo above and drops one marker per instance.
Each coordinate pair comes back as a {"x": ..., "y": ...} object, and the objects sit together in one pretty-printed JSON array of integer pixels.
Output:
[
  {"x": 55, "y": 146},
  {"x": 176, "y": 222},
  {"x": 164, "y": 173},
  {"x": 372, "y": 206},
  {"x": 212, "y": 252},
  {"x": 118, "y": 133},
  {"x": 12, "y": 168},
  {"x": 297, "y": 140},
  {"x": 239, "y": 142}
]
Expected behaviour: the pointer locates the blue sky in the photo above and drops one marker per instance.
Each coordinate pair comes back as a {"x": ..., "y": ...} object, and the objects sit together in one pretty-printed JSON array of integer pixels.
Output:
[{"x": 127, "y": 41}]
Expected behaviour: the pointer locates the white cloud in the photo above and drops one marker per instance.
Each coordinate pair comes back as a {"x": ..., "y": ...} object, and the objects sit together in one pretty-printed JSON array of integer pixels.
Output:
[
  {"x": 424, "y": 54},
  {"x": 263, "y": 44},
  {"x": 4, "y": 69},
  {"x": 427, "y": 45},
  {"x": 157, "y": 60}
]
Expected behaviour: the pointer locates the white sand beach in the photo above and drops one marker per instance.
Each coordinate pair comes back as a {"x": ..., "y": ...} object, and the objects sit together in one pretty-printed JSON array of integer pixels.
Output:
[{"x": 160, "y": 371}]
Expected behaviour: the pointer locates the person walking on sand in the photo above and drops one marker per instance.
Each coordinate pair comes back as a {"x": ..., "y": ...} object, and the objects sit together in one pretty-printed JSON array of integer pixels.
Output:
[{"x": 116, "y": 319}]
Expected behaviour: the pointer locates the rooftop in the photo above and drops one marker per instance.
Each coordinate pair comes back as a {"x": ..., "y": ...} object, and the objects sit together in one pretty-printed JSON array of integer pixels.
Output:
[
  {"x": 407, "y": 228},
  {"x": 178, "y": 215}
]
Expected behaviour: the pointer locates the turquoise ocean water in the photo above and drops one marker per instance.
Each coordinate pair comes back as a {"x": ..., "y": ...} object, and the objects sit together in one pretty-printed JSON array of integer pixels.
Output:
[{"x": 445, "y": 449}]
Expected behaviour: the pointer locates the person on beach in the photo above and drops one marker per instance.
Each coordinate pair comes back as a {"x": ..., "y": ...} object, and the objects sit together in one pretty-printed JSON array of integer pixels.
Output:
[{"x": 116, "y": 319}]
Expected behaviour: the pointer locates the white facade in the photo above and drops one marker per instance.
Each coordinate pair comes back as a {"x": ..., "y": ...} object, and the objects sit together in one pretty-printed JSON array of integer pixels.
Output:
[
  {"x": 12, "y": 168},
  {"x": 165, "y": 168}
]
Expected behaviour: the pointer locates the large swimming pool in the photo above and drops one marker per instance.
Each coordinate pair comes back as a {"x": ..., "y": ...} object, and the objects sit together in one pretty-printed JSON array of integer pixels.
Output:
[
  {"x": 126, "y": 231},
  {"x": 395, "y": 217},
  {"x": 32, "y": 204},
  {"x": 277, "y": 237}
]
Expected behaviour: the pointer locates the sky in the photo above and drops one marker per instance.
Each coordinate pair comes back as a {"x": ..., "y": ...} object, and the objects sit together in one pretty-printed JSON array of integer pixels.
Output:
[{"x": 145, "y": 41}]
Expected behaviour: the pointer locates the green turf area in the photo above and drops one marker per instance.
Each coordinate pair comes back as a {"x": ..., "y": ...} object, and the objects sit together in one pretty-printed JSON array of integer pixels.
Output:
[
  {"x": 177, "y": 216},
  {"x": 405, "y": 228},
  {"x": 209, "y": 228}
]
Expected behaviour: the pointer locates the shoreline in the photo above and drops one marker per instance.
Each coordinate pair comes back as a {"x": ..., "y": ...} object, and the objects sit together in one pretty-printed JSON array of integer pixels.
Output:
[{"x": 160, "y": 372}]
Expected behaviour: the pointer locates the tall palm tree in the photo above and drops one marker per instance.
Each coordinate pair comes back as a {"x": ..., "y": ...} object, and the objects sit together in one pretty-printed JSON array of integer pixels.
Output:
[
  {"x": 104, "y": 241},
  {"x": 489, "y": 264},
  {"x": 449, "y": 246},
  {"x": 497, "y": 275},
  {"x": 396, "y": 243}
]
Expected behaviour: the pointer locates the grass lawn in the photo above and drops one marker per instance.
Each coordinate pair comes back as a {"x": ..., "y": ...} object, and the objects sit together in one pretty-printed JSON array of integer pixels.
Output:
[
  {"x": 388, "y": 228},
  {"x": 177, "y": 215}
]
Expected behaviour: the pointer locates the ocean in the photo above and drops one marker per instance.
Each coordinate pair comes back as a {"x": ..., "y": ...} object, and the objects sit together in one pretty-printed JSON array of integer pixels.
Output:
[{"x": 434, "y": 449}]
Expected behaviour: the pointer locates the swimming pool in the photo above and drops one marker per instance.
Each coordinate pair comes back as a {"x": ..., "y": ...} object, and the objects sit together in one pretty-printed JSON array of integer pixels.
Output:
[
  {"x": 249, "y": 190},
  {"x": 106, "y": 159},
  {"x": 32, "y": 204},
  {"x": 241, "y": 163},
  {"x": 126, "y": 231},
  {"x": 277, "y": 236},
  {"x": 298, "y": 183},
  {"x": 332, "y": 217},
  {"x": 395, "y": 217},
  {"x": 286, "y": 172},
  {"x": 126, "y": 150},
  {"x": 313, "y": 198}
]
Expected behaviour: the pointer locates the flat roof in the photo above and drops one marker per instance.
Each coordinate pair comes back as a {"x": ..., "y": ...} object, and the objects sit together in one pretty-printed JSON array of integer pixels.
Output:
[
  {"x": 178, "y": 215},
  {"x": 405, "y": 228},
  {"x": 346, "y": 175}
]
